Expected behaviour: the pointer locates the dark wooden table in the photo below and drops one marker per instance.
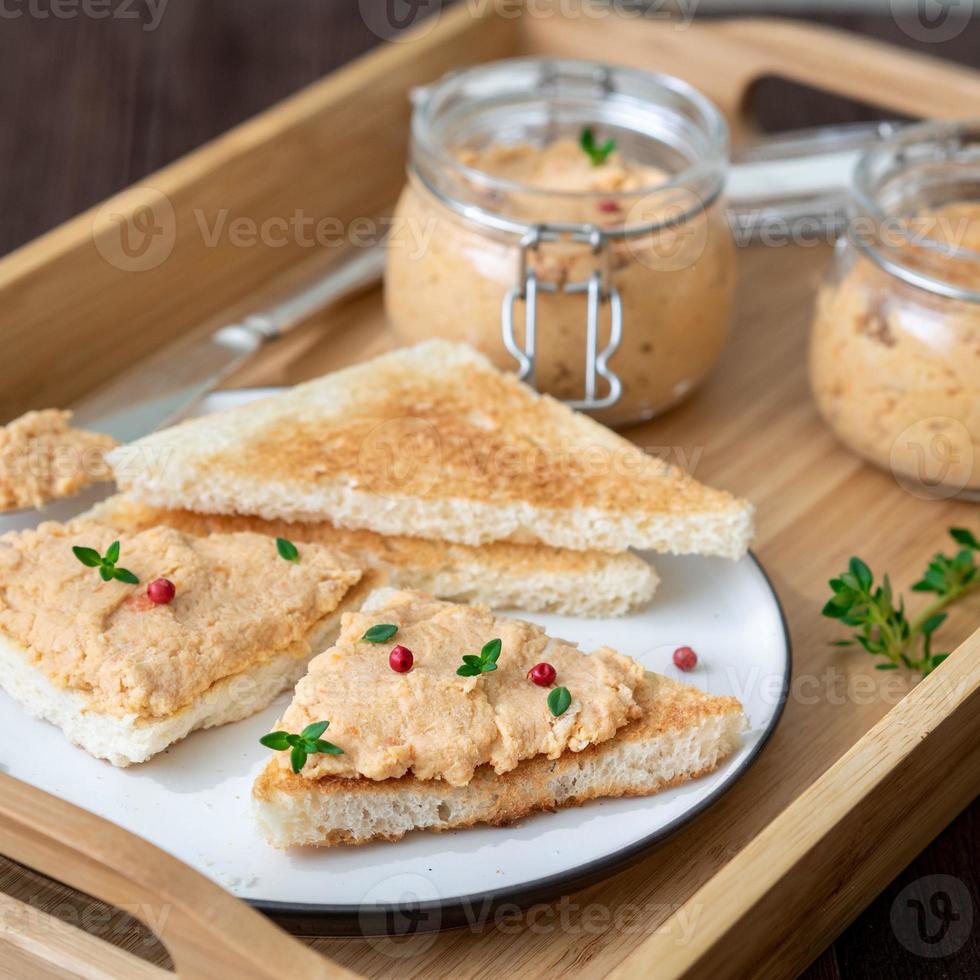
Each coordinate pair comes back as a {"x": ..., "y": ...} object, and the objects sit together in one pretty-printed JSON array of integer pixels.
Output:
[{"x": 89, "y": 105}]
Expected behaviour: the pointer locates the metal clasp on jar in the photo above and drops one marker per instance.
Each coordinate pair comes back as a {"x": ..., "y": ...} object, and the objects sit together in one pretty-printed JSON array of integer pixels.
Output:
[{"x": 598, "y": 289}]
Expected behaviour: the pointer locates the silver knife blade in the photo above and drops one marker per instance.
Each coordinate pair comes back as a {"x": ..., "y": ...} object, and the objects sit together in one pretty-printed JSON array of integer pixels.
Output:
[{"x": 164, "y": 387}]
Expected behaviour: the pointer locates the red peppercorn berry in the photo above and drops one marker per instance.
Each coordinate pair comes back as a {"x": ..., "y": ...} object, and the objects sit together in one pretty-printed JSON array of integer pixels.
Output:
[
  {"x": 685, "y": 658},
  {"x": 161, "y": 591},
  {"x": 542, "y": 674},
  {"x": 400, "y": 659}
]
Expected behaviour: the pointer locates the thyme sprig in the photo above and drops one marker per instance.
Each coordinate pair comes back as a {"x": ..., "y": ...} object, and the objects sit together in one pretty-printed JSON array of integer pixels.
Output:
[
  {"x": 106, "y": 564},
  {"x": 883, "y": 628},
  {"x": 301, "y": 745},
  {"x": 485, "y": 663}
]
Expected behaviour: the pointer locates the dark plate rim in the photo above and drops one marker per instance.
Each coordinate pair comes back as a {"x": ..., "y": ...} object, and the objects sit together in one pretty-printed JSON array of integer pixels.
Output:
[{"x": 318, "y": 919}]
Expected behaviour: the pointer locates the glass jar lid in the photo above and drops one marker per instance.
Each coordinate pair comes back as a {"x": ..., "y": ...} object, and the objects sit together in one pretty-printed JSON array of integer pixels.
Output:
[
  {"x": 915, "y": 207},
  {"x": 656, "y": 120}
]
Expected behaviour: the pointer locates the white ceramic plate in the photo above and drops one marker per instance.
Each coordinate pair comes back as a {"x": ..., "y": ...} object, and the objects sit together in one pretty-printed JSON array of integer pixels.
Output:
[{"x": 193, "y": 800}]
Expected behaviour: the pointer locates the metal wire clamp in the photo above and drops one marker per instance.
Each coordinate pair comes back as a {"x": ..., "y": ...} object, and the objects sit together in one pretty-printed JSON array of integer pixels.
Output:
[{"x": 599, "y": 290}]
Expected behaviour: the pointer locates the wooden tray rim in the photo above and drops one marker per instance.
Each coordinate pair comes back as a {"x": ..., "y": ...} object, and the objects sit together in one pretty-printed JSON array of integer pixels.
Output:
[{"x": 911, "y": 730}]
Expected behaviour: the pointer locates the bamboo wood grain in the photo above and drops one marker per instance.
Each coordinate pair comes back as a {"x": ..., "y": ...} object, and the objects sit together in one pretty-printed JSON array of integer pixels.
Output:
[
  {"x": 752, "y": 429},
  {"x": 207, "y": 931},
  {"x": 34, "y": 944}
]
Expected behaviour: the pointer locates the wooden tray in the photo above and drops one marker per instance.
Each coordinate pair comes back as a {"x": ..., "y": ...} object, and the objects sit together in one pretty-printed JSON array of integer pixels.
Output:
[{"x": 865, "y": 768}]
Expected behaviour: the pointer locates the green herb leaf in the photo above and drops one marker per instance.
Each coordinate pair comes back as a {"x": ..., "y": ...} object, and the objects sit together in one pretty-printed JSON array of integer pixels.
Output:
[
  {"x": 381, "y": 633},
  {"x": 886, "y": 666},
  {"x": 597, "y": 154},
  {"x": 833, "y": 609},
  {"x": 559, "y": 701},
  {"x": 862, "y": 573},
  {"x": 125, "y": 575},
  {"x": 327, "y": 748},
  {"x": 112, "y": 553},
  {"x": 106, "y": 572},
  {"x": 491, "y": 652},
  {"x": 468, "y": 670},
  {"x": 315, "y": 730},
  {"x": 287, "y": 549},
  {"x": 297, "y": 757},
  {"x": 965, "y": 537},
  {"x": 275, "y": 740},
  {"x": 88, "y": 556}
]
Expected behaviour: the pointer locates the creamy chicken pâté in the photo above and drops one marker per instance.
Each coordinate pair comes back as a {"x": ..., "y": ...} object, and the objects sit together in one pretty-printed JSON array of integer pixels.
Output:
[
  {"x": 237, "y": 604},
  {"x": 895, "y": 369},
  {"x": 42, "y": 458},
  {"x": 436, "y": 724}
]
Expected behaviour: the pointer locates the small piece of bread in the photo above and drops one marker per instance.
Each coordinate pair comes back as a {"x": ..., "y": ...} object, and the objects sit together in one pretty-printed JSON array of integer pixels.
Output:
[
  {"x": 42, "y": 458},
  {"x": 682, "y": 734},
  {"x": 501, "y": 575},
  {"x": 432, "y": 441}
]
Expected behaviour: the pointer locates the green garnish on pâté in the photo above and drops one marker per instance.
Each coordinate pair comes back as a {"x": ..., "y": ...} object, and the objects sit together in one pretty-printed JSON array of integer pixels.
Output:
[
  {"x": 380, "y": 633},
  {"x": 106, "y": 564},
  {"x": 559, "y": 701},
  {"x": 597, "y": 154},
  {"x": 303, "y": 745},
  {"x": 287, "y": 549},
  {"x": 883, "y": 628},
  {"x": 473, "y": 665}
]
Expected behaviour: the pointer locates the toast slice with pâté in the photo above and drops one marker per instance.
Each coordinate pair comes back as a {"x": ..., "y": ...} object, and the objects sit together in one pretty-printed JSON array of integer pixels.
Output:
[
  {"x": 433, "y": 748},
  {"x": 682, "y": 734}
]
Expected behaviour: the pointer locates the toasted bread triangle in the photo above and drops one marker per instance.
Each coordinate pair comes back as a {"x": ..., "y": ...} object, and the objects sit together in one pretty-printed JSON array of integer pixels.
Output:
[
  {"x": 432, "y": 441},
  {"x": 681, "y": 735}
]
